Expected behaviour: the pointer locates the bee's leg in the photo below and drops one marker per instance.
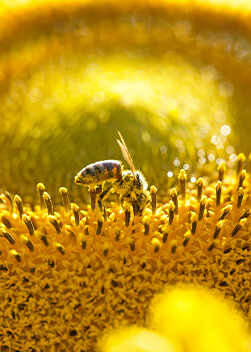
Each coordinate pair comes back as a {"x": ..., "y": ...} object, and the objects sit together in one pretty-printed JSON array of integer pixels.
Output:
[
  {"x": 104, "y": 194},
  {"x": 98, "y": 189},
  {"x": 93, "y": 197},
  {"x": 117, "y": 187},
  {"x": 142, "y": 200},
  {"x": 124, "y": 197}
]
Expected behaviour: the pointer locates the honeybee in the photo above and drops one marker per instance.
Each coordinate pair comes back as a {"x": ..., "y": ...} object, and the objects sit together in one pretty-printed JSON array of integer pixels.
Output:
[{"x": 130, "y": 185}]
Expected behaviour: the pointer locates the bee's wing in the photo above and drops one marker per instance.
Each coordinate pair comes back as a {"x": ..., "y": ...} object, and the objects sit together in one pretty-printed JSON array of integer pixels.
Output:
[{"x": 126, "y": 153}]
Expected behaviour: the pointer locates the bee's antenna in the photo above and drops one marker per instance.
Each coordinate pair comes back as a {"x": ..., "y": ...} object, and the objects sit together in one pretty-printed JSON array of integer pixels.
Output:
[{"x": 126, "y": 153}]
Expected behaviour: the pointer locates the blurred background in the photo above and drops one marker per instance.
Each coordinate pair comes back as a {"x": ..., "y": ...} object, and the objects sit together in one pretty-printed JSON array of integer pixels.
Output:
[{"x": 173, "y": 77}]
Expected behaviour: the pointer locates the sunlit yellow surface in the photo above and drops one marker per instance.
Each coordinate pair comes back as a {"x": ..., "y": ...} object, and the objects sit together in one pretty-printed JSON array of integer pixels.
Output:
[
  {"x": 185, "y": 318},
  {"x": 137, "y": 340},
  {"x": 175, "y": 79},
  {"x": 200, "y": 320}
]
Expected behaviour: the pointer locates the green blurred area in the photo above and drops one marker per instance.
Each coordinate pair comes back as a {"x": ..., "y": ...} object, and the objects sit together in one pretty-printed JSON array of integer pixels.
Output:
[{"x": 167, "y": 80}]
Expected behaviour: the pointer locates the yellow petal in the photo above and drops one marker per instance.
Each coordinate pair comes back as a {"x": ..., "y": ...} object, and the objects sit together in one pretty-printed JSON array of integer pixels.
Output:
[
  {"x": 199, "y": 320},
  {"x": 137, "y": 340}
]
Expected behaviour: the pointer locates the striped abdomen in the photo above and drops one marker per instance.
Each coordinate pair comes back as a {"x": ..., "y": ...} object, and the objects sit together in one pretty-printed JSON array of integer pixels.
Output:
[{"x": 99, "y": 172}]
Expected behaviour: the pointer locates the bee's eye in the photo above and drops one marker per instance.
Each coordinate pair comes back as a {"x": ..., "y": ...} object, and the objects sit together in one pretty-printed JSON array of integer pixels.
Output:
[{"x": 138, "y": 180}]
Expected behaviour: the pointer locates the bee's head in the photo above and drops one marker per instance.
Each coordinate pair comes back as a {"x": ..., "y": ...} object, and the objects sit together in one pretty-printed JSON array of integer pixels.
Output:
[
  {"x": 128, "y": 176},
  {"x": 78, "y": 179},
  {"x": 141, "y": 183},
  {"x": 128, "y": 181}
]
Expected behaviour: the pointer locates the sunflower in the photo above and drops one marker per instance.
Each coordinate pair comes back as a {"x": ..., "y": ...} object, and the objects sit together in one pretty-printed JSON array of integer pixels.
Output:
[{"x": 174, "y": 79}]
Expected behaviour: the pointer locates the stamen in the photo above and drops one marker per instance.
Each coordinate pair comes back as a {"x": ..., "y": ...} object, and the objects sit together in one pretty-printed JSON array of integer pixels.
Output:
[
  {"x": 83, "y": 243},
  {"x": 246, "y": 247},
  {"x": 218, "y": 228},
  {"x": 100, "y": 223},
  {"x": 27, "y": 242},
  {"x": 16, "y": 255},
  {"x": 199, "y": 188},
  {"x": 44, "y": 239},
  {"x": 6, "y": 222},
  {"x": 60, "y": 248},
  {"x": 245, "y": 215},
  {"x": 28, "y": 223},
  {"x": 242, "y": 178},
  {"x": 7, "y": 235},
  {"x": 146, "y": 222},
  {"x": 240, "y": 261},
  {"x": 211, "y": 247},
  {"x": 209, "y": 207},
  {"x": 182, "y": 178},
  {"x": 41, "y": 189},
  {"x": 240, "y": 162},
  {"x": 202, "y": 207},
  {"x": 117, "y": 234},
  {"x": 127, "y": 214},
  {"x": 187, "y": 237},
  {"x": 105, "y": 252},
  {"x": 19, "y": 204},
  {"x": 87, "y": 227},
  {"x": 227, "y": 250},
  {"x": 173, "y": 246},
  {"x": 6, "y": 198},
  {"x": 174, "y": 198},
  {"x": 55, "y": 223},
  {"x": 171, "y": 212},
  {"x": 241, "y": 193},
  {"x": 221, "y": 169},
  {"x": 132, "y": 244},
  {"x": 165, "y": 236},
  {"x": 153, "y": 192},
  {"x": 135, "y": 207},
  {"x": 146, "y": 229},
  {"x": 65, "y": 198},
  {"x": 193, "y": 220},
  {"x": 93, "y": 198},
  {"x": 48, "y": 203},
  {"x": 240, "y": 224},
  {"x": 75, "y": 209},
  {"x": 225, "y": 212},
  {"x": 218, "y": 192},
  {"x": 156, "y": 243}
]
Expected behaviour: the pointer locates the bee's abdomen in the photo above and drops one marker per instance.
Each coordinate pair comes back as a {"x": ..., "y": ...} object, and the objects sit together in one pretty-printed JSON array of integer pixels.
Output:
[
  {"x": 107, "y": 170},
  {"x": 113, "y": 168}
]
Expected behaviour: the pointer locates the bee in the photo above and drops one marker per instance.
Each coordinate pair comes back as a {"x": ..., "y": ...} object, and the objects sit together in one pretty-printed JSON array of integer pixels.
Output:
[{"x": 130, "y": 185}]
